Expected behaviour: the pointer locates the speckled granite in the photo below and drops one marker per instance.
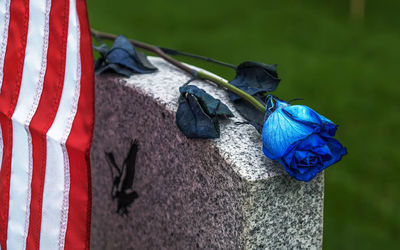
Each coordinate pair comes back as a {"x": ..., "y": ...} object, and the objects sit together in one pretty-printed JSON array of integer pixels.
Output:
[{"x": 207, "y": 194}]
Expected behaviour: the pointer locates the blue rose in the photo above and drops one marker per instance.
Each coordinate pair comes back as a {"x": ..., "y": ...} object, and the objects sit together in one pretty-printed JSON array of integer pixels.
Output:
[{"x": 300, "y": 139}]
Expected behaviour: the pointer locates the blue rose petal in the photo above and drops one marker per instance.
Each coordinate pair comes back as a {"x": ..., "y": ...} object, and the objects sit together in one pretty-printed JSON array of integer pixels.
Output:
[
  {"x": 306, "y": 115},
  {"x": 337, "y": 151},
  {"x": 282, "y": 131}
]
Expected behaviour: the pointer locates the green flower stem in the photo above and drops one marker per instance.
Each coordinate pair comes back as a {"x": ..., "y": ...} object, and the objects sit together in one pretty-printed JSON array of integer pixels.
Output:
[
  {"x": 173, "y": 52},
  {"x": 199, "y": 74},
  {"x": 223, "y": 83}
]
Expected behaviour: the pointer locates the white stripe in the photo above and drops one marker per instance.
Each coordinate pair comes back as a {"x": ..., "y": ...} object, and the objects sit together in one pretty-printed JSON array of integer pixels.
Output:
[
  {"x": 4, "y": 23},
  {"x": 28, "y": 100},
  {"x": 56, "y": 186}
]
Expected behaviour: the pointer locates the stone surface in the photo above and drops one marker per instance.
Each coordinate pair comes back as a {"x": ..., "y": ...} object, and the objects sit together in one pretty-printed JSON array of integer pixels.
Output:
[{"x": 193, "y": 193}]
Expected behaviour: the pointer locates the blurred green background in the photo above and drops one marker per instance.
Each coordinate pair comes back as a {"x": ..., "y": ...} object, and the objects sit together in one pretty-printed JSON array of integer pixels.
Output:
[{"x": 344, "y": 65}]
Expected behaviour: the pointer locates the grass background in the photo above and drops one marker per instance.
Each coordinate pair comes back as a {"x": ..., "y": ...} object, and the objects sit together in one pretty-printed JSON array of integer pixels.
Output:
[{"x": 346, "y": 70}]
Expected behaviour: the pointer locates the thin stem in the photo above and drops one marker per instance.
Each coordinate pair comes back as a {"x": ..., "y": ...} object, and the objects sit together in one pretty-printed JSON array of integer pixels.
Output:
[
  {"x": 174, "y": 52},
  {"x": 223, "y": 83},
  {"x": 199, "y": 74}
]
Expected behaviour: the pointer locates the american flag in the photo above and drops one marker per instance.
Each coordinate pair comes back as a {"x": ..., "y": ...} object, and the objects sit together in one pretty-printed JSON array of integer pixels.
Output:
[{"x": 46, "y": 116}]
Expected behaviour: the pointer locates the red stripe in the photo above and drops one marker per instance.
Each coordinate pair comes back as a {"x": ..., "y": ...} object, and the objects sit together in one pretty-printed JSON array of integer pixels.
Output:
[
  {"x": 46, "y": 112},
  {"x": 13, "y": 66},
  {"x": 6, "y": 127},
  {"x": 78, "y": 145}
]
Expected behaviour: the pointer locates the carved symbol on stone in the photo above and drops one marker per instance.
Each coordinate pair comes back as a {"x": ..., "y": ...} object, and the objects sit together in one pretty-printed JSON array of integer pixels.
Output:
[{"x": 122, "y": 186}]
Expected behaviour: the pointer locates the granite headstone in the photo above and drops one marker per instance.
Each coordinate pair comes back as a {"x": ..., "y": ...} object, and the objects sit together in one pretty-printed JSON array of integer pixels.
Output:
[{"x": 191, "y": 193}]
